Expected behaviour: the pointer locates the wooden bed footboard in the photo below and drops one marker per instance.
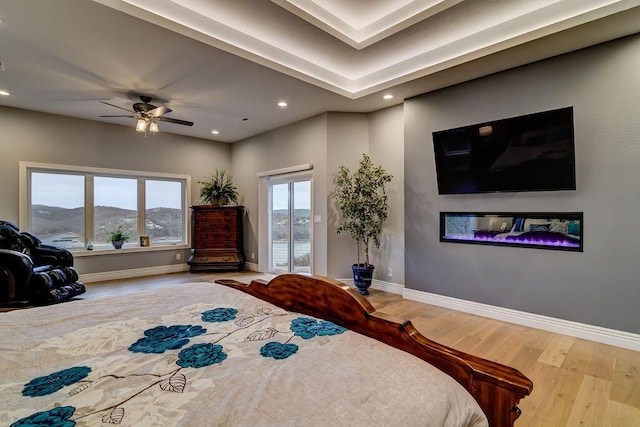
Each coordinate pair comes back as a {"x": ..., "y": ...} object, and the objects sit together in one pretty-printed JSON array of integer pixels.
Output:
[{"x": 497, "y": 388}]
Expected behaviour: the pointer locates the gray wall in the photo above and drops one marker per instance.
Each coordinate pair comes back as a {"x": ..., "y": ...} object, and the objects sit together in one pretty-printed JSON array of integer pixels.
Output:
[
  {"x": 293, "y": 145},
  {"x": 600, "y": 286},
  {"x": 328, "y": 141},
  {"x": 347, "y": 140},
  {"x": 386, "y": 147},
  {"x": 46, "y": 138}
]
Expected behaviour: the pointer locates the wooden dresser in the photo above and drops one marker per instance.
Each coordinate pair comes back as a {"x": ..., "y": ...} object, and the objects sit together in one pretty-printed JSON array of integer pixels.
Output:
[{"x": 216, "y": 238}]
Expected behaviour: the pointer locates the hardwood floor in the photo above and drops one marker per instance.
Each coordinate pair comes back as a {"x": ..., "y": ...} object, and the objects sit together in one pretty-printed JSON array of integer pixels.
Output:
[{"x": 576, "y": 382}]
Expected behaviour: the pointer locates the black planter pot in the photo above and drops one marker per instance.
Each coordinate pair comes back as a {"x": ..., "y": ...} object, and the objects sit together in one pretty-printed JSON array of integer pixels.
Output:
[{"x": 362, "y": 275}]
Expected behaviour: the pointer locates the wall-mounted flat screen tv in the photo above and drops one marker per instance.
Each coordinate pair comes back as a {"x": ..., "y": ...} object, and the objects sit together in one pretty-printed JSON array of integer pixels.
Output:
[{"x": 534, "y": 152}]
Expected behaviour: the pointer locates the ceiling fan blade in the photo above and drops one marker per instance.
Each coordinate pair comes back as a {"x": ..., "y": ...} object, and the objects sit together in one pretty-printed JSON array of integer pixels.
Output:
[
  {"x": 176, "y": 121},
  {"x": 159, "y": 111},
  {"x": 112, "y": 105},
  {"x": 131, "y": 117}
]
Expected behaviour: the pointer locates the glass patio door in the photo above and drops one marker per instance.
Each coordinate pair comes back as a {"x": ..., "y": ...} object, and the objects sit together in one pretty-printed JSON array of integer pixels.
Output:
[{"x": 290, "y": 224}]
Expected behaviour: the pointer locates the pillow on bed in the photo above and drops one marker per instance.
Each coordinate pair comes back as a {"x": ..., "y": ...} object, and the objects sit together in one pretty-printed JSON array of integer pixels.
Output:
[
  {"x": 499, "y": 224},
  {"x": 518, "y": 224},
  {"x": 528, "y": 222},
  {"x": 539, "y": 227},
  {"x": 574, "y": 228},
  {"x": 559, "y": 226}
]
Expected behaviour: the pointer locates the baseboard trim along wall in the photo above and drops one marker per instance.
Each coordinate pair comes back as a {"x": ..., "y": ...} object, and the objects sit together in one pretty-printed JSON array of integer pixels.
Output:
[
  {"x": 566, "y": 327},
  {"x": 136, "y": 272},
  {"x": 538, "y": 321},
  {"x": 251, "y": 267},
  {"x": 380, "y": 285}
]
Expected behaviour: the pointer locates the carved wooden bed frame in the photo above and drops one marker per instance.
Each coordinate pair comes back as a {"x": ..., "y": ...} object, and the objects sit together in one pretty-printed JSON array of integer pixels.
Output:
[{"x": 497, "y": 388}]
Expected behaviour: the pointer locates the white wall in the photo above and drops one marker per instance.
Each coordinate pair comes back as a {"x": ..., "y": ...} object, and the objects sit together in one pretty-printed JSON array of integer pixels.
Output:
[
  {"x": 46, "y": 138},
  {"x": 598, "y": 286}
]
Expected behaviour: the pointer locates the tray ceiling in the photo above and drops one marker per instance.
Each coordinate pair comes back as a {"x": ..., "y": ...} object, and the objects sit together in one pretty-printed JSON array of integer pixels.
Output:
[{"x": 225, "y": 64}]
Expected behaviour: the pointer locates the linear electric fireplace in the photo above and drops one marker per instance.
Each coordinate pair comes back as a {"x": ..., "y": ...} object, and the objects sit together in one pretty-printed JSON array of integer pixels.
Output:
[{"x": 541, "y": 230}]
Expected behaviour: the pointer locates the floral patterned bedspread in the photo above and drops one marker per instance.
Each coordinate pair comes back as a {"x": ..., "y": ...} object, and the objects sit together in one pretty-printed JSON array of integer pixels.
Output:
[{"x": 202, "y": 354}]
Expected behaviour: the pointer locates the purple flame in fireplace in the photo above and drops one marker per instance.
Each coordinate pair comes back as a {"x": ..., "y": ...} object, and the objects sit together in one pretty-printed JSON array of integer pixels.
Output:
[{"x": 529, "y": 238}]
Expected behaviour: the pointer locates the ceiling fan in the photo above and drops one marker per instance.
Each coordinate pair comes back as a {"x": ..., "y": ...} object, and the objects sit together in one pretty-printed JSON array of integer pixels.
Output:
[{"x": 148, "y": 115}]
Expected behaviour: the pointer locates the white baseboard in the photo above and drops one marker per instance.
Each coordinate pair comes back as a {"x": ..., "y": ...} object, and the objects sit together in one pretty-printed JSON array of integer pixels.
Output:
[
  {"x": 136, "y": 272},
  {"x": 380, "y": 285},
  {"x": 251, "y": 267},
  {"x": 566, "y": 327}
]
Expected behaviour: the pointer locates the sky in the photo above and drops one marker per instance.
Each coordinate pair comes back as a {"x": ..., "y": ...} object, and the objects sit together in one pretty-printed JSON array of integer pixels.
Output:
[
  {"x": 67, "y": 191},
  {"x": 301, "y": 195}
]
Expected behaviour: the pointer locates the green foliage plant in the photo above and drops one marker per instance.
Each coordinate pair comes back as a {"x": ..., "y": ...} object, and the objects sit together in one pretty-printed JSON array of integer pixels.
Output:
[
  {"x": 362, "y": 199},
  {"x": 118, "y": 235},
  {"x": 218, "y": 189}
]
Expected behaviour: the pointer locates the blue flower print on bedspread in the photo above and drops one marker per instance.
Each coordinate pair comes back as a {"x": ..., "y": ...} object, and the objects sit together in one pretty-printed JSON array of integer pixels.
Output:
[
  {"x": 56, "y": 417},
  {"x": 201, "y": 355},
  {"x": 307, "y": 328},
  {"x": 219, "y": 314},
  {"x": 278, "y": 350},
  {"x": 162, "y": 338},
  {"x": 51, "y": 383}
]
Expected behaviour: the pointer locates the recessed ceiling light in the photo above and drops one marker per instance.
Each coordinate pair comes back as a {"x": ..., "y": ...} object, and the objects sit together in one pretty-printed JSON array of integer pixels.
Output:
[
  {"x": 215, "y": 131},
  {"x": 282, "y": 104},
  {"x": 4, "y": 93},
  {"x": 388, "y": 96}
]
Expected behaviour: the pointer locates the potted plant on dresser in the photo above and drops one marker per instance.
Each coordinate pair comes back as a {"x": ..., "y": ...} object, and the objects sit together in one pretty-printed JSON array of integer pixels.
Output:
[
  {"x": 216, "y": 226},
  {"x": 361, "y": 197},
  {"x": 219, "y": 189}
]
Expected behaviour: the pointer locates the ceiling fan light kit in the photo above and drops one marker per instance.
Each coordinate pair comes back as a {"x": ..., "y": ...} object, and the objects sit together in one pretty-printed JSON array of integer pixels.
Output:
[
  {"x": 148, "y": 115},
  {"x": 141, "y": 125}
]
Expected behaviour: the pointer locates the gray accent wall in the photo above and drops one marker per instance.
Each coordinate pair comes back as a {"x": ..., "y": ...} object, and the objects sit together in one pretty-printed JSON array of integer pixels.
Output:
[
  {"x": 600, "y": 286},
  {"x": 46, "y": 138}
]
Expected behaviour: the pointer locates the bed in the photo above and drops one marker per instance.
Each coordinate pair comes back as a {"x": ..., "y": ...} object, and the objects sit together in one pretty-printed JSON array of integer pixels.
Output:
[{"x": 298, "y": 350}]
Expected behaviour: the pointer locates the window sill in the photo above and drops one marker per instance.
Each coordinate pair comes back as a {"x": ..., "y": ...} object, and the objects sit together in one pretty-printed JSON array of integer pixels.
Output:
[{"x": 126, "y": 250}]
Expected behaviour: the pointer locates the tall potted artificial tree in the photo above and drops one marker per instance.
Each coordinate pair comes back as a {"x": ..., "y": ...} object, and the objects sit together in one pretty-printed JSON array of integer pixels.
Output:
[{"x": 361, "y": 197}]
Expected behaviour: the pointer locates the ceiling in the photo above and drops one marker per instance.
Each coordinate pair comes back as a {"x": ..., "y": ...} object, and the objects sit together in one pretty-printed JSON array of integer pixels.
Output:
[{"x": 226, "y": 64}]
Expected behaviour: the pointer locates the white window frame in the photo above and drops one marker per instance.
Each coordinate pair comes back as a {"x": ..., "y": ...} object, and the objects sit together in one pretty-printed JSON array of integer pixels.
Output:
[
  {"x": 289, "y": 179},
  {"x": 264, "y": 196},
  {"x": 26, "y": 168}
]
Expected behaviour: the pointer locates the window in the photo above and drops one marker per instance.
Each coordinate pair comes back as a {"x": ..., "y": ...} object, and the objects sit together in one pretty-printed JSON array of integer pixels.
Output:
[
  {"x": 57, "y": 208},
  {"x": 69, "y": 206},
  {"x": 163, "y": 210},
  {"x": 115, "y": 204},
  {"x": 290, "y": 240}
]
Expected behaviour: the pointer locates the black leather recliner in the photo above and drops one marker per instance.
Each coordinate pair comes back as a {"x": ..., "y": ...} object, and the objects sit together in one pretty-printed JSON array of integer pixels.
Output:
[{"x": 32, "y": 273}]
